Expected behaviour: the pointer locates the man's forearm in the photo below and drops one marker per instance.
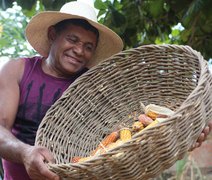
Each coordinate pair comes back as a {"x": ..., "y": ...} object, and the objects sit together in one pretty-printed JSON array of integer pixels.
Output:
[{"x": 10, "y": 147}]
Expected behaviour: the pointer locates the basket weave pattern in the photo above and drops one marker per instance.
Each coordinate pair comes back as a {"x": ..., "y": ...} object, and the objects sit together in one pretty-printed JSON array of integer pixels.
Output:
[{"x": 110, "y": 94}]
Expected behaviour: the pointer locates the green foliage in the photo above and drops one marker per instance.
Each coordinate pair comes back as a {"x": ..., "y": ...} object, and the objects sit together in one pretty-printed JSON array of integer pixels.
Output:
[
  {"x": 152, "y": 21},
  {"x": 12, "y": 38},
  {"x": 156, "y": 8}
]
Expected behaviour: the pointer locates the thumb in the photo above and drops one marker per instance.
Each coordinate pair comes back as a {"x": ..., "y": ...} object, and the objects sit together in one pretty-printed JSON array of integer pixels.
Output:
[{"x": 46, "y": 172}]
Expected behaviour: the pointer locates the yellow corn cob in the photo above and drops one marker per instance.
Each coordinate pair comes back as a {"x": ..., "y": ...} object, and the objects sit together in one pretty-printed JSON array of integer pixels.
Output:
[
  {"x": 125, "y": 134},
  {"x": 137, "y": 126},
  {"x": 152, "y": 115}
]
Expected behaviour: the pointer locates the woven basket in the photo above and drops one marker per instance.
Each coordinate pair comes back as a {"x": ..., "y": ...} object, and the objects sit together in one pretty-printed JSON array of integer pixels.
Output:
[{"x": 110, "y": 94}]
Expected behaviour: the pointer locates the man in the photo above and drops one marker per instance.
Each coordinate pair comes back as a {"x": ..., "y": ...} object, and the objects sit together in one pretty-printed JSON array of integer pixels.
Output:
[{"x": 69, "y": 42}]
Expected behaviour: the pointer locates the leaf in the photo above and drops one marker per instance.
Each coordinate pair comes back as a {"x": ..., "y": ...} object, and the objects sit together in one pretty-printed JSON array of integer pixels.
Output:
[
  {"x": 46, "y": 3},
  {"x": 175, "y": 32},
  {"x": 156, "y": 7},
  {"x": 35, "y": 9},
  {"x": 100, "y": 13},
  {"x": 26, "y": 4},
  {"x": 185, "y": 35},
  {"x": 98, "y": 4},
  {"x": 118, "y": 19},
  {"x": 4, "y": 42},
  {"x": 180, "y": 166}
]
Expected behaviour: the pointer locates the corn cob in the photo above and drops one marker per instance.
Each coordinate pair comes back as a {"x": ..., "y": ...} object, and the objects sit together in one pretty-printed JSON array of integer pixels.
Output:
[
  {"x": 144, "y": 119},
  {"x": 125, "y": 134},
  {"x": 152, "y": 115},
  {"x": 137, "y": 126},
  {"x": 112, "y": 137},
  {"x": 75, "y": 159}
]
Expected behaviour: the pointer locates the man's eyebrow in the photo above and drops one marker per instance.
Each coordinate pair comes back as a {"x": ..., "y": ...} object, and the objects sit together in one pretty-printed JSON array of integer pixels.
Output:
[{"x": 78, "y": 38}]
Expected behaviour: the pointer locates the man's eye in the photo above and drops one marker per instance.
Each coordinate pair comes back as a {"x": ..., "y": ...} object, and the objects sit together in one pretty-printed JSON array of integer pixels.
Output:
[
  {"x": 89, "y": 48},
  {"x": 73, "y": 39}
]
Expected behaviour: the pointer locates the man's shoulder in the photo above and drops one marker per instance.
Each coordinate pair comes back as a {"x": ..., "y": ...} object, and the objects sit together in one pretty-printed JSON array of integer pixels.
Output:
[
  {"x": 12, "y": 68},
  {"x": 17, "y": 62},
  {"x": 11, "y": 63}
]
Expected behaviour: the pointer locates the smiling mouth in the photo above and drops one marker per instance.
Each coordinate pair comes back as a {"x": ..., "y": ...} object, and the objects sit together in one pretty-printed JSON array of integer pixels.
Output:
[{"x": 73, "y": 60}]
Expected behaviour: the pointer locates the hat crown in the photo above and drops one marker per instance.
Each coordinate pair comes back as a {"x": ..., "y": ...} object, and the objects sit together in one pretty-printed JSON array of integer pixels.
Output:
[{"x": 79, "y": 9}]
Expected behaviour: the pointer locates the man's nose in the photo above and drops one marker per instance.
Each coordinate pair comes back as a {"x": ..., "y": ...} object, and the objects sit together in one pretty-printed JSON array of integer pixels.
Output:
[{"x": 79, "y": 48}]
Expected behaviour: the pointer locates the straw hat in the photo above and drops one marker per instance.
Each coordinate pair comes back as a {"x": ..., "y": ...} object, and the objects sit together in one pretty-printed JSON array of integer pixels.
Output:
[{"x": 36, "y": 31}]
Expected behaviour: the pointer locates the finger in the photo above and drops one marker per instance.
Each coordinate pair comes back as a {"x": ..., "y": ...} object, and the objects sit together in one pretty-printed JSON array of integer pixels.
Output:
[
  {"x": 45, "y": 172},
  {"x": 197, "y": 144},
  {"x": 210, "y": 125},
  {"x": 206, "y": 130},
  {"x": 201, "y": 138}
]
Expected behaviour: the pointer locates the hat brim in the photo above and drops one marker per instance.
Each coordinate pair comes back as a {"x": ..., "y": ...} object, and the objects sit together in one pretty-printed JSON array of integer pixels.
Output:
[{"x": 37, "y": 35}]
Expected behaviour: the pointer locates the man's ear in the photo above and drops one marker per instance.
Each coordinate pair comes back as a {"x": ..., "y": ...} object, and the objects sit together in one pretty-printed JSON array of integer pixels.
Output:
[{"x": 51, "y": 34}]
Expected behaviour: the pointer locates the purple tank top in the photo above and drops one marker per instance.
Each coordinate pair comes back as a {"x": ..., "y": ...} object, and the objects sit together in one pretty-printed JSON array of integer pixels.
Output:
[{"x": 38, "y": 91}]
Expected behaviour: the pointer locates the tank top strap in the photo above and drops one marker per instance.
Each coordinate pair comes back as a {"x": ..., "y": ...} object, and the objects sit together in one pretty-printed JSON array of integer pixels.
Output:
[{"x": 32, "y": 64}]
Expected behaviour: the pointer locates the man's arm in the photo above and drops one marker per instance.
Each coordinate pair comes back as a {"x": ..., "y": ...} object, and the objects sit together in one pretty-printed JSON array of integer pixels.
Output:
[
  {"x": 11, "y": 148},
  {"x": 9, "y": 99}
]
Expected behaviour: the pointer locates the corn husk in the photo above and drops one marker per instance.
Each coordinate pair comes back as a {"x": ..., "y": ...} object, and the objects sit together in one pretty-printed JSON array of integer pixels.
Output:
[{"x": 160, "y": 110}]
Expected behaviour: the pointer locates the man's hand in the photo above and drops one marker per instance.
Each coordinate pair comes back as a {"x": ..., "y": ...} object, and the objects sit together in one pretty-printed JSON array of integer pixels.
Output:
[
  {"x": 34, "y": 159},
  {"x": 203, "y": 136}
]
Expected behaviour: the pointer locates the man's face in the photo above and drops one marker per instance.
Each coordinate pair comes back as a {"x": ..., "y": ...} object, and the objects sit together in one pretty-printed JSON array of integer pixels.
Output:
[{"x": 72, "y": 49}]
